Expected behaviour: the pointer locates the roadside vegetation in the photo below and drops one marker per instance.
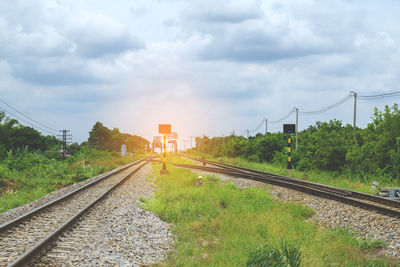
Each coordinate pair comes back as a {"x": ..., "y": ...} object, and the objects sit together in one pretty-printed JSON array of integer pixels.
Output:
[
  {"x": 218, "y": 224},
  {"x": 26, "y": 176},
  {"x": 31, "y": 165},
  {"x": 328, "y": 152}
]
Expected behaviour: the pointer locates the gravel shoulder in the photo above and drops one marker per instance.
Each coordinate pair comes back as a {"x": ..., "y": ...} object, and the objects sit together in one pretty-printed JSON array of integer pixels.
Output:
[
  {"x": 18, "y": 211},
  {"x": 329, "y": 213},
  {"x": 117, "y": 232}
]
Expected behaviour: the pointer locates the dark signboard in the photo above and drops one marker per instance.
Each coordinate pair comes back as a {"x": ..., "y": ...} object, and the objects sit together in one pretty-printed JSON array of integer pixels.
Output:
[
  {"x": 164, "y": 128},
  {"x": 289, "y": 128}
]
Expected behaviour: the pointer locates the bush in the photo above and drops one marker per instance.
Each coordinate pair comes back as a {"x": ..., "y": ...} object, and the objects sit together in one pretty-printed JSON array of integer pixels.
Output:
[
  {"x": 23, "y": 160},
  {"x": 329, "y": 146},
  {"x": 268, "y": 256}
]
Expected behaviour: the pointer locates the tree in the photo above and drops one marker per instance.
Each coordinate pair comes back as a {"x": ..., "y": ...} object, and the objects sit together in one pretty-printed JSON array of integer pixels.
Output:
[
  {"x": 14, "y": 136},
  {"x": 102, "y": 138}
]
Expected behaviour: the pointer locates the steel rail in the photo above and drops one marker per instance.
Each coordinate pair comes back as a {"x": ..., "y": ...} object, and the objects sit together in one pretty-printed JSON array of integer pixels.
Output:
[
  {"x": 24, "y": 258},
  {"x": 354, "y": 194},
  {"x": 261, "y": 178},
  {"x": 340, "y": 191},
  {"x": 328, "y": 188},
  {"x": 39, "y": 209},
  {"x": 366, "y": 201}
]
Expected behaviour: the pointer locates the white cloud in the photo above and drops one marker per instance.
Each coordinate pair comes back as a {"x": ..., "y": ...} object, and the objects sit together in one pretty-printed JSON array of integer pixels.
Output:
[
  {"x": 51, "y": 43},
  {"x": 226, "y": 11},
  {"x": 213, "y": 66}
]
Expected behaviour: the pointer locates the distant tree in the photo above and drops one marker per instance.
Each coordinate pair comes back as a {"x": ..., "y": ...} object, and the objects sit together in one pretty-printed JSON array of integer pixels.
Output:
[{"x": 100, "y": 137}]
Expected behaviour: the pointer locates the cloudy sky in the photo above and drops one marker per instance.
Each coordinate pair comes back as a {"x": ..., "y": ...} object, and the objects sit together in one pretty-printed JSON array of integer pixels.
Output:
[{"x": 207, "y": 67}]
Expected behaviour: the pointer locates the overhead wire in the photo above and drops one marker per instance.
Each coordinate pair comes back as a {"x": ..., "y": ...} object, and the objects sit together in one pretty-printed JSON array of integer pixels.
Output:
[
  {"x": 258, "y": 127},
  {"x": 368, "y": 97},
  {"x": 340, "y": 102},
  {"x": 41, "y": 124},
  {"x": 284, "y": 117},
  {"x": 27, "y": 122}
]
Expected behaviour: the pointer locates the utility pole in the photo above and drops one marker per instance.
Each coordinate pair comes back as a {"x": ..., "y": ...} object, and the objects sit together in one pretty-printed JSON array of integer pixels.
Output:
[
  {"x": 297, "y": 126},
  {"x": 266, "y": 126},
  {"x": 355, "y": 109},
  {"x": 65, "y": 139},
  {"x": 247, "y": 131},
  {"x": 191, "y": 141}
]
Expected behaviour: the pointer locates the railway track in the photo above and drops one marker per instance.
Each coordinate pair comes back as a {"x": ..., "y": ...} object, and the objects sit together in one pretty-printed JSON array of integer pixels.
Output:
[
  {"x": 367, "y": 201},
  {"x": 23, "y": 237}
]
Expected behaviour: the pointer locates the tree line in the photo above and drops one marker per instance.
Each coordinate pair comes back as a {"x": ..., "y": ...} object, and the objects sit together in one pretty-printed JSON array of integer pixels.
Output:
[
  {"x": 15, "y": 136},
  {"x": 330, "y": 146},
  {"x": 103, "y": 138}
]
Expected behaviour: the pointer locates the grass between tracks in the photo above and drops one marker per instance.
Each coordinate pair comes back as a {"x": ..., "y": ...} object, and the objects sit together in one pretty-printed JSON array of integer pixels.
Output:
[
  {"x": 26, "y": 176},
  {"x": 343, "y": 180},
  {"x": 219, "y": 224}
]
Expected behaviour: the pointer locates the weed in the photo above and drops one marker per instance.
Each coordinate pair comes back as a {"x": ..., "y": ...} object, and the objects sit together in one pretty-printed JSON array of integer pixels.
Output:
[
  {"x": 369, "y": 244},
  {"x": 218, "y": 224},
  {"x": 25, "y": 176},
  {"x": 142, "y": 199},
  {"x": 265, "y": 256}
]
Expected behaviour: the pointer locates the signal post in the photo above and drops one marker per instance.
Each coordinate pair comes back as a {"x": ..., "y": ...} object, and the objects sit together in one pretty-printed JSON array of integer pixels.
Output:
[
  {"x": 164, "y": 129},
  {"x": 288, "y": 129}
]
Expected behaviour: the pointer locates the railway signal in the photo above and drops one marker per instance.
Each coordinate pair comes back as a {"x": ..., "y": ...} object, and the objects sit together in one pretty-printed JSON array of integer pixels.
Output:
[
  {"x": 164, "y": 129},
  {"x": 289, "y": 128}
]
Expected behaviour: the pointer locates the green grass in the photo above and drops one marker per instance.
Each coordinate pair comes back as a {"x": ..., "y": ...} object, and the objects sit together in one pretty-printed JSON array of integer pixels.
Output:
[
  {"x": 347, "y": 181},
  {"x": 176, "y": 158},
  {"x": 219, "y": 224},
  {"x": 27, "y": 176}
]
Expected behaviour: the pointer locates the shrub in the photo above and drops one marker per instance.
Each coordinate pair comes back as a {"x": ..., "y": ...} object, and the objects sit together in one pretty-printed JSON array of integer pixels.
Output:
[{"x": 268, "y": 256}]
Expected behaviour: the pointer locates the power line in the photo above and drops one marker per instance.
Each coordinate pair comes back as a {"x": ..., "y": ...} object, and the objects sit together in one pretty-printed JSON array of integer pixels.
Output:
[
  {"x": 283, "y": 118},
  {"x": 258, "y": 127},
  {"x": 367, "y": 97},
  {"x": 20, "y": 119},
  {"x": 342, "y": 101},
  {"x": 50, "y": 128}
]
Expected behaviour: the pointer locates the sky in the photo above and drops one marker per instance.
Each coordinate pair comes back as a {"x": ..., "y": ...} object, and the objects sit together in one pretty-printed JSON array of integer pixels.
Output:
[{"x": 206, "y": 67}]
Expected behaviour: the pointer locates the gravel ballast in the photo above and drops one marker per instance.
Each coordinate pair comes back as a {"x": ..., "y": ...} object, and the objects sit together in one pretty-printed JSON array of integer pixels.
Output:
[
  {"x": 23, "y": 209},
  {"x": 116, "y": 232}
]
